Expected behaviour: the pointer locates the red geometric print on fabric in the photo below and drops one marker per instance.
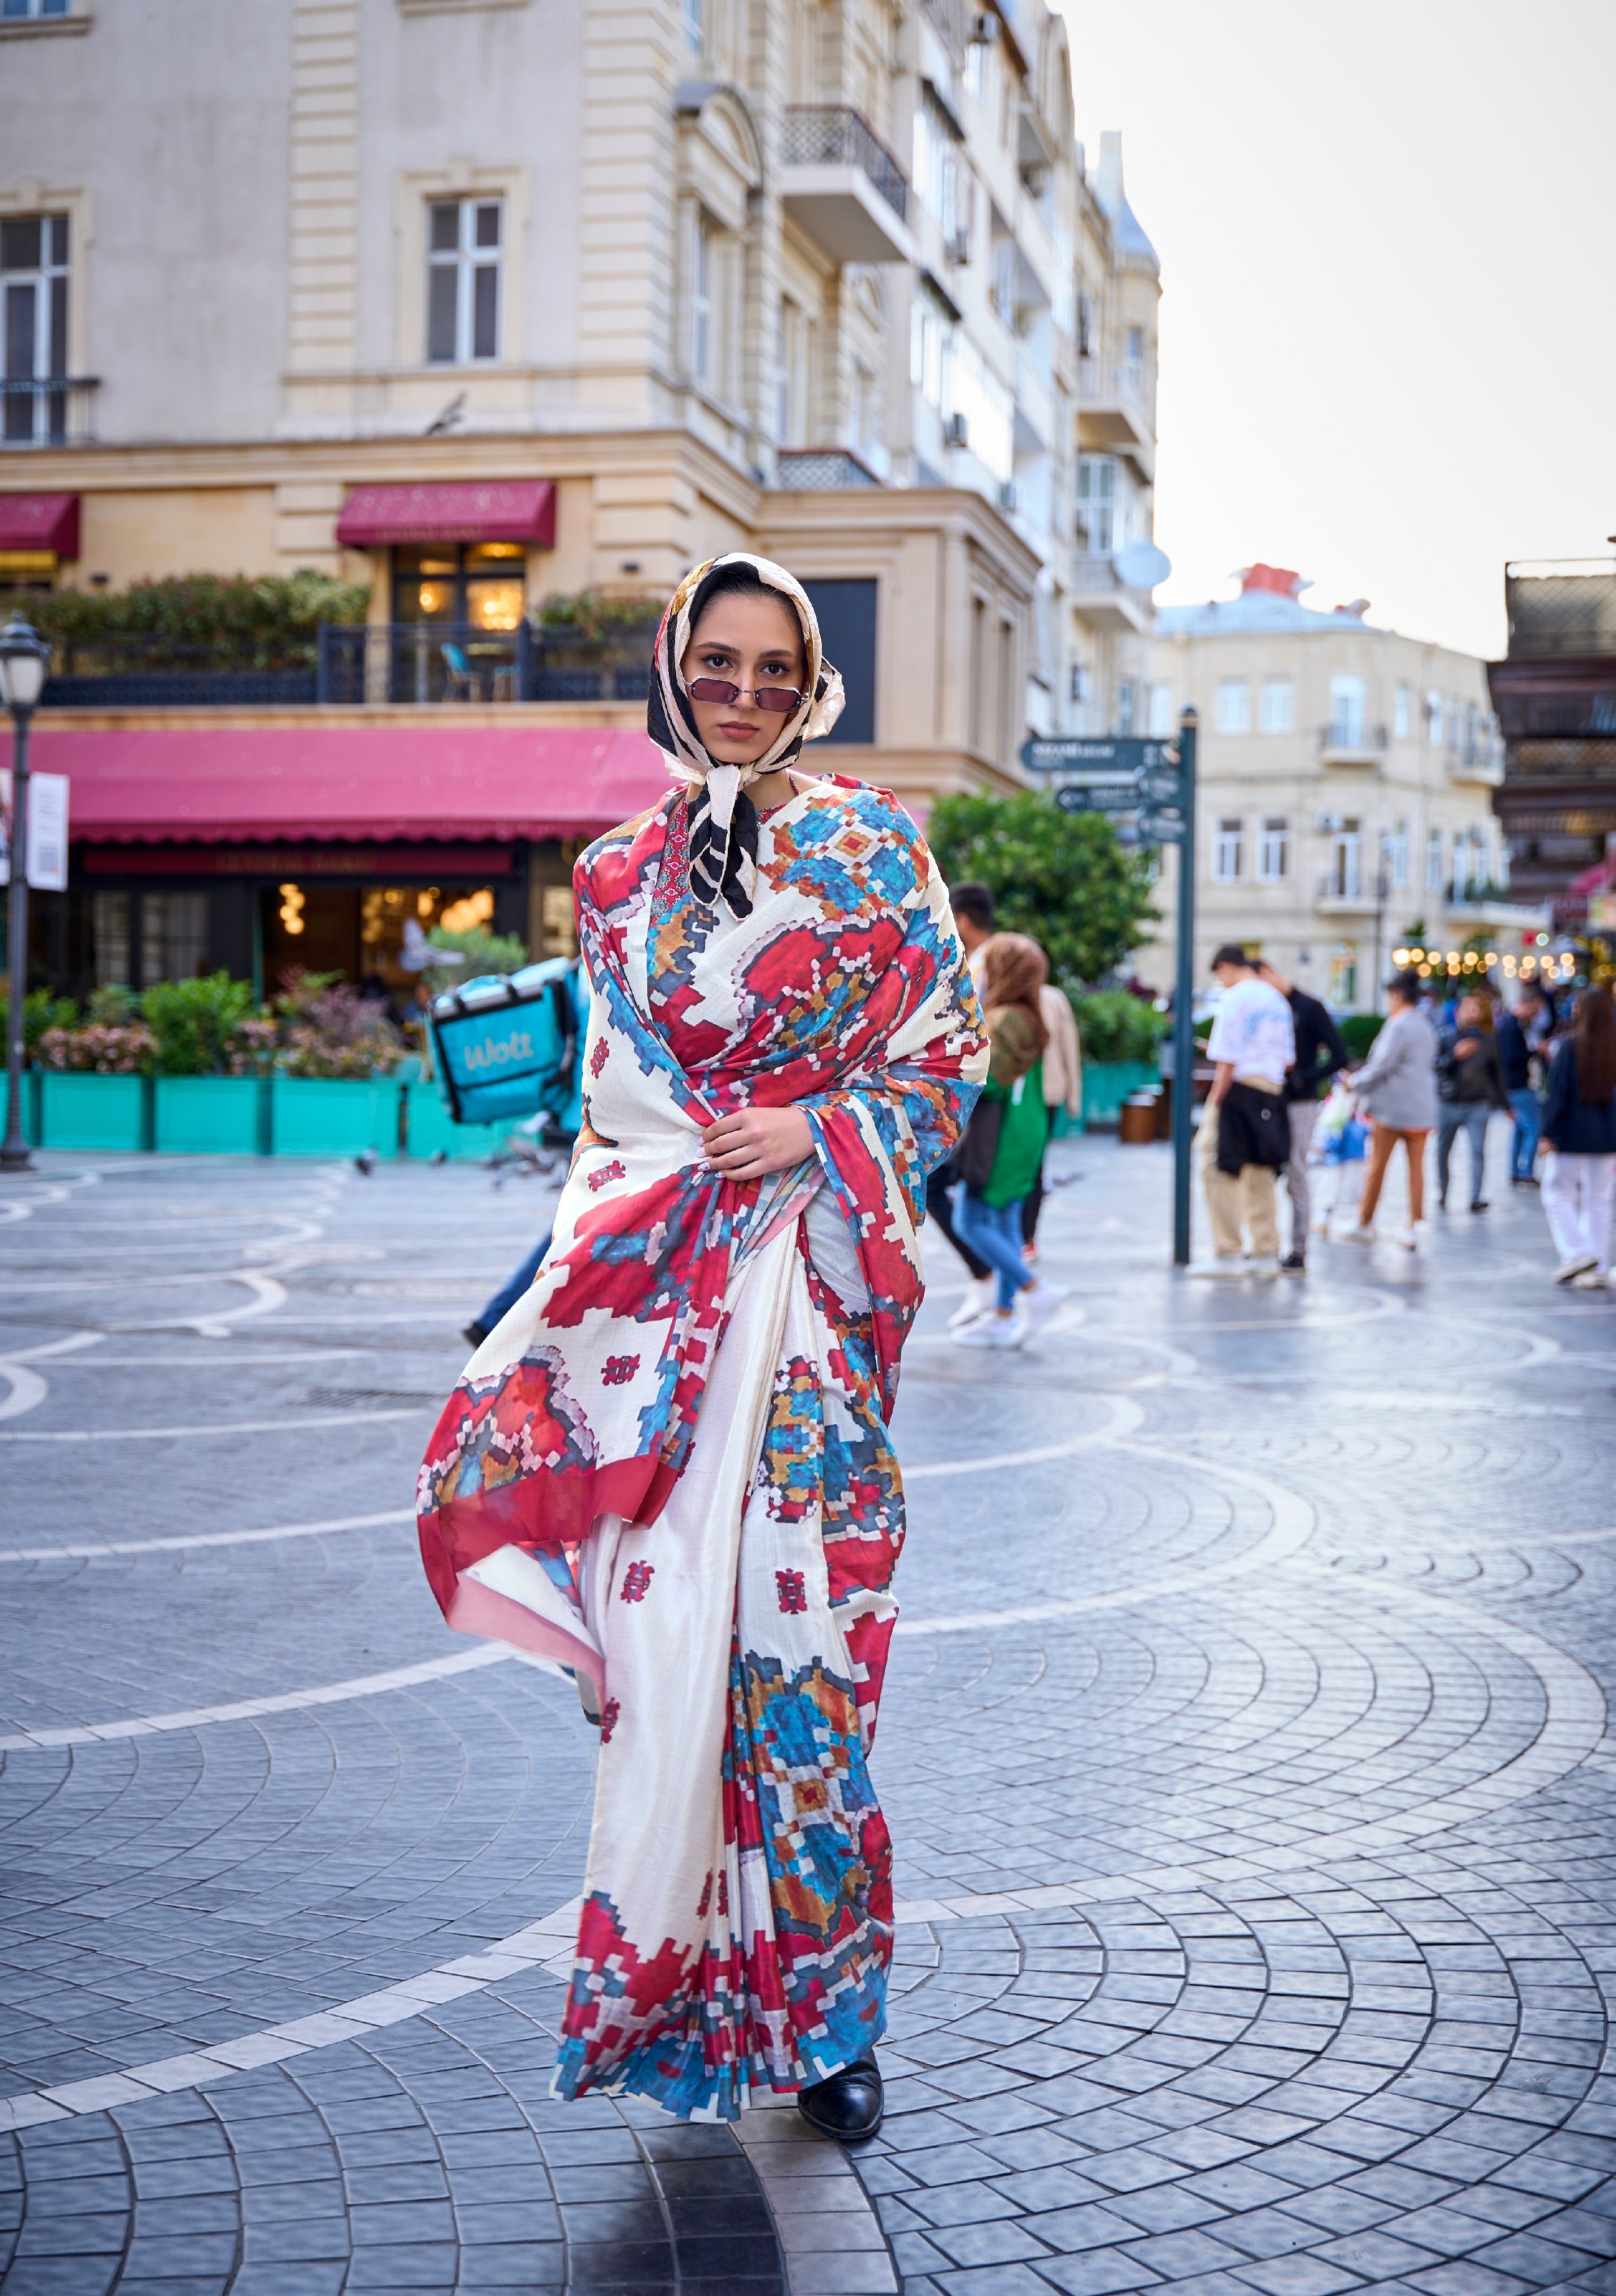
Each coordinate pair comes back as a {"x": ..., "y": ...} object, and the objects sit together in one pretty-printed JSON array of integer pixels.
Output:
[
  {"x": 793, "y": 1590},
  {"x": 609, "y": 1719},
  {"x": 608, "y": 1172},
  {"x": 618, "y": 1369},
  {"x": 704, "y": 1907},
  {"x": 723, "y": 1893},
  {"x": 637, "y": 1579},
  {"x": 598, "y": 1057}
]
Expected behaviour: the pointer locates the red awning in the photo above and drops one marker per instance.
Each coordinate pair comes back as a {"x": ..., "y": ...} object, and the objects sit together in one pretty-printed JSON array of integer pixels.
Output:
[
  {"x": 150, "y": 785},
  {"x": 40, "y": 523},
  {"x": 498, "y": 510}
]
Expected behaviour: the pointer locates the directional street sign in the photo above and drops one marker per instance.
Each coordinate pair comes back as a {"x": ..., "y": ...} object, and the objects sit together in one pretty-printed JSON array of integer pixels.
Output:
[
  {"x": 1119, "y": 754},
  {"x": 1097, "y": 796},
  {"x": 1161, "y": 825},
  {"x": 1159, "y": 786}
]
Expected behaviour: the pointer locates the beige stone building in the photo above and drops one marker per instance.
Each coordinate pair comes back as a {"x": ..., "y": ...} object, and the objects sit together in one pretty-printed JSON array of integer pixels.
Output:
[
  {"x": 1345, "y": 791},
  {"x": 830, "y": 278}
]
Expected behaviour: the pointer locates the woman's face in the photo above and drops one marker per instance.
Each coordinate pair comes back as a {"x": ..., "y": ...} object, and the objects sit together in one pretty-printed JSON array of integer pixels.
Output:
[{"x": 748, "y": 641}]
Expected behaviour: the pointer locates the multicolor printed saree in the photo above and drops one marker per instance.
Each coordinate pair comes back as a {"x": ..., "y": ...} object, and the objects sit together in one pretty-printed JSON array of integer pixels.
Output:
[{"x": 668, "y": 1467}]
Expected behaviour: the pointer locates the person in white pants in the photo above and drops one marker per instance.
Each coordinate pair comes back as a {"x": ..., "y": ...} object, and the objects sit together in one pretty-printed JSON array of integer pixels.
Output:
[{"x": 1579, "y": 1127}]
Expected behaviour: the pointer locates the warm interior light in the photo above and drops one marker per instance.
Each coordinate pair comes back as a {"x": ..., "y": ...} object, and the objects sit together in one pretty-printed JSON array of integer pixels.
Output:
[
  {"x": 498, "y": 605},
  {"x": 292, "y": 898},
  {"x": 473, "y": 910}
]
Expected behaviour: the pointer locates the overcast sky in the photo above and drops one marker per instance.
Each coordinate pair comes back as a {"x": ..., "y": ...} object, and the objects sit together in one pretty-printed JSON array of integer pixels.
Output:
[{"x": 1387, "y": 244}]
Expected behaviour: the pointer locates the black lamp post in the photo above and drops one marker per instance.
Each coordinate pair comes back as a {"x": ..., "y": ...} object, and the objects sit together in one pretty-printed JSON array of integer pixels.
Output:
[{"x": 24, "y": 657}]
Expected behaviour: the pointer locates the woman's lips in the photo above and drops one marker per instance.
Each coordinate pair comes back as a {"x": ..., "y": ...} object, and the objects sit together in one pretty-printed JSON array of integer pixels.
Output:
[{"x": 737, "y": 732}]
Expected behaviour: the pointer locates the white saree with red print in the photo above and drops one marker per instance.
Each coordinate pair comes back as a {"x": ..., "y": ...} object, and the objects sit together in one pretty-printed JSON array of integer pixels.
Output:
[{"x": 668, "y": 1468}]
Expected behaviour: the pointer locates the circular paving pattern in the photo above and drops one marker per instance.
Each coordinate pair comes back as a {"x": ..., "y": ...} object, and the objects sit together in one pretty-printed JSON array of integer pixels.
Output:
[{"x": 1244, "y": 1746}]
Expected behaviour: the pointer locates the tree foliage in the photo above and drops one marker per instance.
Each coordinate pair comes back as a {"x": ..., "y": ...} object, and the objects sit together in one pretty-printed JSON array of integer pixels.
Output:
[{"x": 1061, "y": 877}]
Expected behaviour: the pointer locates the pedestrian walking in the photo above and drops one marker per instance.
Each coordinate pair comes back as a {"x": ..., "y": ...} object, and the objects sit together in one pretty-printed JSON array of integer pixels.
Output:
[
  {"x": 1245, "y": 1137},
  {"x": 1340, "y": 1141},
  {"x": 1397, "y": 1085},
  {"x": 1320, "y": 1055},
  {"x": 1470, "y": 1085},
  {"x": 1579, "y": 1127},
  {"x": 1063, "y": 1072},
  {"x": 973, "y": 909},
  {"x": 1003, "y": 1149},
  {"x": 1517, "y": 1050},
  {"x": 668, "y": 1468}
]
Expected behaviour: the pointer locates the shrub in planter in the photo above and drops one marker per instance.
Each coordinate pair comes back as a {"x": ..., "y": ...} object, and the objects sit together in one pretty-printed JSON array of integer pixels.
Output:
[
  {"x": 196, "y": 1021},
  {"x": 331, "y": 1030},
  {"x": 40, "y": 1011},
  {"x": 100, "y": 1048},
  {"x": 483, "y": 952},
  {"x": 1114, "y": 1025}
]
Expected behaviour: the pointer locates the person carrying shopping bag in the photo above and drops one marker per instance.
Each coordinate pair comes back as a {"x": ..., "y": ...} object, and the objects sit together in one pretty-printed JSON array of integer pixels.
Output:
[
  {"x": 1397, "y": 1086},
  {"x": 1579, "y": 1128},
  {"x": 1003, "y": 1146}
]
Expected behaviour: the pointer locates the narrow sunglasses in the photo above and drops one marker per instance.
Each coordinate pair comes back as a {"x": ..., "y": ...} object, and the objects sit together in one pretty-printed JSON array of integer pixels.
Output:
[{"x": 779, "y": 701}]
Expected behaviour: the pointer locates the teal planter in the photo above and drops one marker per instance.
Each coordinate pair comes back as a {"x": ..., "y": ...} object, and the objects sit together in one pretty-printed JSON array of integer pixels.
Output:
[
  {"x": 334, "y": 1116},
  {"x": 211, "y": 1116},
  {"x": 83, "y": 1111},
  {"x": 1106, "y": 1085},
  {"x": 429, "y": 1130}
]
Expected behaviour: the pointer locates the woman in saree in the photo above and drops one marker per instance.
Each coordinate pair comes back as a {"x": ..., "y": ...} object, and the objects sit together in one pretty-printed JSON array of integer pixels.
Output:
[{"x": 668, "y": 1467}]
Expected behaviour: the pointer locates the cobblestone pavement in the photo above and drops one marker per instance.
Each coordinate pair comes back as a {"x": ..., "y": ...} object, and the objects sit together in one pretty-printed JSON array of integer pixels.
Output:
[{"x": 1244, "y": 1746}]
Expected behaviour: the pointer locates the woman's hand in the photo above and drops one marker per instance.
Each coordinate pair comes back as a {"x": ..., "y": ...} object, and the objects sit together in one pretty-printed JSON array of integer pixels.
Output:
[{"x": 754, "y": 1142}]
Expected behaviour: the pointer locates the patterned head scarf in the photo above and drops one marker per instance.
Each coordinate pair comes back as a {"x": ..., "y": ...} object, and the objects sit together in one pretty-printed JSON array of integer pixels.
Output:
[{"x": 723, "y": 825}]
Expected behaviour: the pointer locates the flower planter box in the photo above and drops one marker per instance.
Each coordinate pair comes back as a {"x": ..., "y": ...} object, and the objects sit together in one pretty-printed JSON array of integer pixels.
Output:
[
  {"x": 333, "y": 1116},
  {"x": 211, "y": 1116},
  {"x": 81, "y": 1110},
  {"x": 429, "y": 1128},
  {"x": 1106, "y": 1085}
]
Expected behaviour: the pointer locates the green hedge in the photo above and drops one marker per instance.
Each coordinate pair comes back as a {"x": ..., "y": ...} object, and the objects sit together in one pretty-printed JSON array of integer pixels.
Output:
[
  {"x": 1359, "y": 1032},
  {"x": 1114, "y": 1025},
  {"x": 190, "y": 621}
]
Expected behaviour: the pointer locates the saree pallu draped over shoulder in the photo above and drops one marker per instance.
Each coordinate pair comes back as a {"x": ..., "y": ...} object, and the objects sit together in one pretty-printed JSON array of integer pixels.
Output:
[{"x": 668, "y": 1467}]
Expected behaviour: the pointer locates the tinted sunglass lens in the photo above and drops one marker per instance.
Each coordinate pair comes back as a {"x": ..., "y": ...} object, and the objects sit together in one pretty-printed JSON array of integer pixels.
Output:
[
  {"x": 779, "y": 701},
  {"x": 712, "y": 689}
]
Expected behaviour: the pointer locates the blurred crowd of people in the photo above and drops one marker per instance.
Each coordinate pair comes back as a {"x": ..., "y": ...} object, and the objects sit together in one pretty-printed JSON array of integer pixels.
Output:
[{"x": 1286, "y": 1101}]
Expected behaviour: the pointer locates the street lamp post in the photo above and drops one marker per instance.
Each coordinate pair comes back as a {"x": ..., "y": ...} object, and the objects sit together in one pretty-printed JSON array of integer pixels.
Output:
[{"x": 24, "y": 656}]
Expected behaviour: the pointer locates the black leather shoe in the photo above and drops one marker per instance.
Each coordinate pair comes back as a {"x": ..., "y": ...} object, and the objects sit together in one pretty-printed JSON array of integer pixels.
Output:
[
  {"x": 848, "y": 2106},
  {"x": 474, "y": 1333}
]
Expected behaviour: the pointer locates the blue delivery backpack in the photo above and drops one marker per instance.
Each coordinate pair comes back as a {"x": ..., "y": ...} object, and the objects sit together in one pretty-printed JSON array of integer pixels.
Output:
[{"x": 508, "y": 1044}]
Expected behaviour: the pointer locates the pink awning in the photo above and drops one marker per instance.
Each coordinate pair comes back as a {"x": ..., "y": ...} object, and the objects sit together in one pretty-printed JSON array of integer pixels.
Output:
[
  {"x": 40, "y": 523},
  {"x": 203, "y": 785},
  {"x": 496, "y": 510}
]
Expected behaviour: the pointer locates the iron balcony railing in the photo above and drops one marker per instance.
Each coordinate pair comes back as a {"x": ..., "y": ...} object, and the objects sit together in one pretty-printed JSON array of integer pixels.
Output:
[
  {"x": 164, "y": 669},
  {"x": 432, "y": 662},
  {"x": 51, "y": 410},
  {"x": 1560, "y": 606},
  {"x": 834, "y": 134},
  {"x": 1352, "y": 733},
  {"x": 810, "y": 467}
]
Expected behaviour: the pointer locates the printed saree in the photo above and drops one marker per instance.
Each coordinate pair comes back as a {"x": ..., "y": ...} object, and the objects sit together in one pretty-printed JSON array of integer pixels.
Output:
[{"x": 668, "y": 1467}]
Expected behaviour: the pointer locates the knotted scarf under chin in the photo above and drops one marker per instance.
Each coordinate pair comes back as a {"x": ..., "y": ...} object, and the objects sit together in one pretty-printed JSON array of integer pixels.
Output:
[{"x": 723, "y": 834}]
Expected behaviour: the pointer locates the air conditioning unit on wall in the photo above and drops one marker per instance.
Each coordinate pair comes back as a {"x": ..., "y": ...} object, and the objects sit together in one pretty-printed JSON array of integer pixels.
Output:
[{"x": 956, "y": 431}]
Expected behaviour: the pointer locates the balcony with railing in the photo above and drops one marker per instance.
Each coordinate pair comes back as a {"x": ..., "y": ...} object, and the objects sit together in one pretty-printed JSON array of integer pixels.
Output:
[
  {"x": 1349, "y": 741},
  {"x": 842, "y": 185},
  {"x": 1104, "y": 601},
  {"x": 1112, "y": 417},
  {"x": 398, "y": 664},
  {"x": 51, "y": 410}
]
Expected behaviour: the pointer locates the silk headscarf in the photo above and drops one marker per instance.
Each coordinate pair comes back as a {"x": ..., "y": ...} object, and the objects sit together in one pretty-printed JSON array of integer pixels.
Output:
[{"x": 723, "y": 823}]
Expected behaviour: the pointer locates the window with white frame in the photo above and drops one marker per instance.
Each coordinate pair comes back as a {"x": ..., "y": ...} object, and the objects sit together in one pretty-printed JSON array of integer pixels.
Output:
[
  {"x": 1347, "y": 712},
  {"x": 703, "y": 265},
  {"x": 936, "y": 162},
  {"x": 1127, "y": 694},
  {"x": 976, "y": 392},
  {"x": 1397, "y": 855},
  {"x": 1228, "y": 847},
  {"x": 1234, "y": 712},
  {"x": 1433, "y": 861},
  {"x": 1346, "y": 858},
  {"x": 692, "y": 16},
  {"x": 34, "y": 289},
  {"x": 9, "y": 9},
  {"x": 1402, "y": 713},
  {"x": 1136, "y": 358},
  {"x": 1277, "y": 712},
  {"x": 465, "y": 241},
  {"x": 1098, "y": 525},
  {"x": 1433, "y": 718},
  {"x": 1274, "y": 848},
  {"x": 1161, "y": 709}
]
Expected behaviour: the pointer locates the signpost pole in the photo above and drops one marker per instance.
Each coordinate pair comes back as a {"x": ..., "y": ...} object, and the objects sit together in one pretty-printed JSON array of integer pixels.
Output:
[{"x": 1183, "y": 1041}]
